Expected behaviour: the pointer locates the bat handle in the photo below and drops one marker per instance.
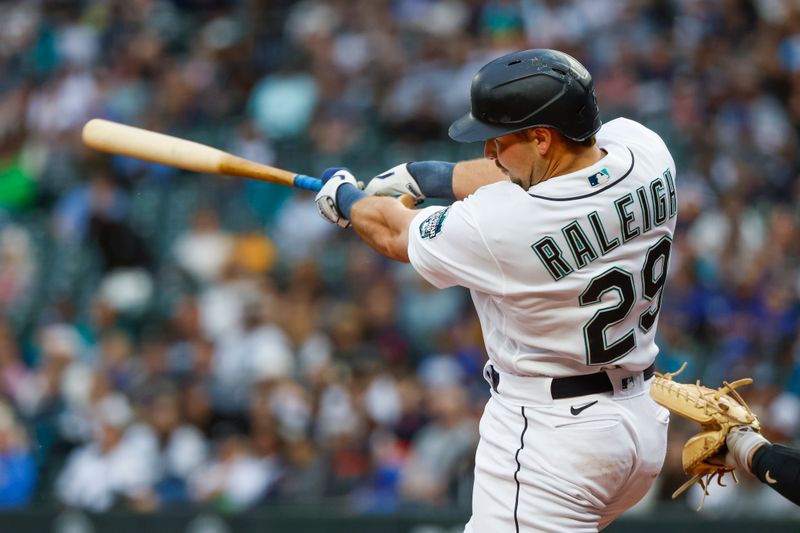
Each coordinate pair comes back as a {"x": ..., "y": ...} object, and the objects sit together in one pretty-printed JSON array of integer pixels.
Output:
[
  {"x": 301, "y": 181},
  {"x": 308, "y": 183}
]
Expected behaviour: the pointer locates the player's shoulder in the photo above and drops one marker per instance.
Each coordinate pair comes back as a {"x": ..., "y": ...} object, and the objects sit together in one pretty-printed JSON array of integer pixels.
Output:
[
  {"x": 636, "y": 136},
  {"x": 502, "y": 188},
  {"x": 625, "y": 129},
  {"x": 496, "y": 202},
  {"x": 493, "y": 196},
  {"x": 488, "y": 201}
]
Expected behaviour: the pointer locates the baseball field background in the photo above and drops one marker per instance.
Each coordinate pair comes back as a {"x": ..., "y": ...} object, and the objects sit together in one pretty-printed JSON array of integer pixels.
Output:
[{"x": 223, "y": 360}]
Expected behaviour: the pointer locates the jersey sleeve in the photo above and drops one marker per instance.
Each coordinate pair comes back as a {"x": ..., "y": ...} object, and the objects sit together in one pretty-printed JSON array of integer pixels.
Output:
[{"x": 447, "y": 247}]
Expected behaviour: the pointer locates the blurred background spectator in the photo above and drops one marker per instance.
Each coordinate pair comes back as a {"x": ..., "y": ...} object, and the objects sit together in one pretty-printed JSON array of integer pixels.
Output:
[
  {"x": 110, "y": 469},
  {"x": 17, "y": 466},
  {"x": 171, "y": 339}
]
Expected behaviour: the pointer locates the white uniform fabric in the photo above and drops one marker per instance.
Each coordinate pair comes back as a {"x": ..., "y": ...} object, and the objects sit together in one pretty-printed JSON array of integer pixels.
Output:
[
  {"x": 571, "y": 464},
  {"x": 567, "y": 280}
]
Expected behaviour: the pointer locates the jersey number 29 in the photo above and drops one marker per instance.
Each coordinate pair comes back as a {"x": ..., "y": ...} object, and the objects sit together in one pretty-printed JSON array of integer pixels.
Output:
[{"x": 599, "y": 351}]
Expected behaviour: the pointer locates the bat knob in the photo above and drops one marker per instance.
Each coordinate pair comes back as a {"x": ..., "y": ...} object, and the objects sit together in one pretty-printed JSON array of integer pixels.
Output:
[{"x": 408, "y": 201}]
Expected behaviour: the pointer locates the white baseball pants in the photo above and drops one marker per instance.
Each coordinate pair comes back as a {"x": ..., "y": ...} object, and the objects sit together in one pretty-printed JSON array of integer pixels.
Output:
[{"x": 566, "y": 465}]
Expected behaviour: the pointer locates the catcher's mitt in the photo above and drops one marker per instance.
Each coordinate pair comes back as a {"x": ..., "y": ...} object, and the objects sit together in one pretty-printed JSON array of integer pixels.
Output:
[{"x": 717, "y": 410}]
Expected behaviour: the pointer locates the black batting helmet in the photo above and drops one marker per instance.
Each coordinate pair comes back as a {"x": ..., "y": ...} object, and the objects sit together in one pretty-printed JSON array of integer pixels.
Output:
[{"x": 522, "y": 90}]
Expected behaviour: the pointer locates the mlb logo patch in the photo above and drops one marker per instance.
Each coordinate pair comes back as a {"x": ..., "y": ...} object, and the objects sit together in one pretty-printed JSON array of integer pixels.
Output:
[
  {"x": 627, "y": 382},
  {"x": 599, "y": 178}
]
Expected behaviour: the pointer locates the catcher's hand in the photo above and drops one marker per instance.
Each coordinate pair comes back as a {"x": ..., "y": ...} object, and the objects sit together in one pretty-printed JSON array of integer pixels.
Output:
[{"x": 718, "y": 411}]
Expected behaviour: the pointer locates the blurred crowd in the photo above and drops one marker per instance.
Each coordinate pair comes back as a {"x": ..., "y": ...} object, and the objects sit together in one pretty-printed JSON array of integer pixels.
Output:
[{"x": 171, "y": 339}]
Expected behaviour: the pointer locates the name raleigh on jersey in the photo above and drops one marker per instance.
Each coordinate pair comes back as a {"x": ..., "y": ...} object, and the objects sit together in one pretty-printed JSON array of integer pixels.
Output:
[{"x": 651, "y": 206}]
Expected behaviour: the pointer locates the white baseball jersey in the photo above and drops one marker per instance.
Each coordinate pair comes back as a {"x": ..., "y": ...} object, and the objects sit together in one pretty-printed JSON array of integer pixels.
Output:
[{"x": 567, "y": 277}]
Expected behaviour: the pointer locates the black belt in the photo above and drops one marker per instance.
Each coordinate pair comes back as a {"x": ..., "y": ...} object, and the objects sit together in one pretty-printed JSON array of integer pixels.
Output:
[{"x": 573, "y": 386}]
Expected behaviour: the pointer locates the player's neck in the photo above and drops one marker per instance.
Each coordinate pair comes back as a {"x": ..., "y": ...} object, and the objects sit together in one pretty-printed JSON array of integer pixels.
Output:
[{"x": 567, "y": 161}]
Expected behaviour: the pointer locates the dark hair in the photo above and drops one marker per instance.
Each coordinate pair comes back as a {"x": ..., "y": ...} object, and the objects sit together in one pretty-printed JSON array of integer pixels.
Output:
[{"x": 586, "y": 143}]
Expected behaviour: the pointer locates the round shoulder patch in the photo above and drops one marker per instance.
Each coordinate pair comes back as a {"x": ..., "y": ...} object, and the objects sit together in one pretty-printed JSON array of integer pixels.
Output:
[{"x": 432, "y": 226}]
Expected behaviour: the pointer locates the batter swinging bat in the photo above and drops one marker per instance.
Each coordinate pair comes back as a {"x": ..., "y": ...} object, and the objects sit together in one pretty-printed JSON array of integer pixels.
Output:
[{"x": 115, "y": 138}]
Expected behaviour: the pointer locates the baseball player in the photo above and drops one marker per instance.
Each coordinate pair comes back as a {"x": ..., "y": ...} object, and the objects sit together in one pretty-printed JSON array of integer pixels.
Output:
[{"x": 563, "y": 234}]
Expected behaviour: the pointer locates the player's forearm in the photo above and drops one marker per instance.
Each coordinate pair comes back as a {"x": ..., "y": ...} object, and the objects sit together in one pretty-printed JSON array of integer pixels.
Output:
[
  {"x": 779, "y": 467},
  {"x": 383, "y": 224},
  {"x": 469, "y": 176},
  {"x": 435, "y": 179},
  {"x": 438, "y": 179}
]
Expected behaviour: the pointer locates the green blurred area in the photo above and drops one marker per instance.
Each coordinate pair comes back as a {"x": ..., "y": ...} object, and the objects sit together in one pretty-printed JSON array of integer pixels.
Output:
[{"x": 17, "y": 185}]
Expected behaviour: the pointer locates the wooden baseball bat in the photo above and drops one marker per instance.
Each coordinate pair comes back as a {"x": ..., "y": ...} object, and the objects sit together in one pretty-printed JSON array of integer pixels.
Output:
[{"x": 115, "y": 138}]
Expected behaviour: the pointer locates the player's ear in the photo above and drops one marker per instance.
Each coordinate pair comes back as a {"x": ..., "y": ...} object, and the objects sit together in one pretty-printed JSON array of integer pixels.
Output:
[
  {"x": 490, "y": 149},
  {"x": 541, "y": 138}
]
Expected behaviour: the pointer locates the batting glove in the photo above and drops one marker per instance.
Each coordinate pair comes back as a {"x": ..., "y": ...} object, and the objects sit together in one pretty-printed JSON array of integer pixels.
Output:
[
  {"x": 396, "y": 181},
  {"x": 332, "y": 179},
  {"x": 741, "y": 442}
]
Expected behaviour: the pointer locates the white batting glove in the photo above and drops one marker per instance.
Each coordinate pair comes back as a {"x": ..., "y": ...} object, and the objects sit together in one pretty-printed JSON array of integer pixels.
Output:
[
  {"x": 396, "y": 181},
  {"x": 326, "y": 197},
  {"x": 741, "y": 442}
]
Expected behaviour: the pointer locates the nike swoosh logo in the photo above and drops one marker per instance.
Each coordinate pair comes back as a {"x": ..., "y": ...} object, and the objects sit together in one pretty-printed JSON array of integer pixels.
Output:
[
  {"x": 769, "y": 478},
  {"x": 578, "y": 410}
]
